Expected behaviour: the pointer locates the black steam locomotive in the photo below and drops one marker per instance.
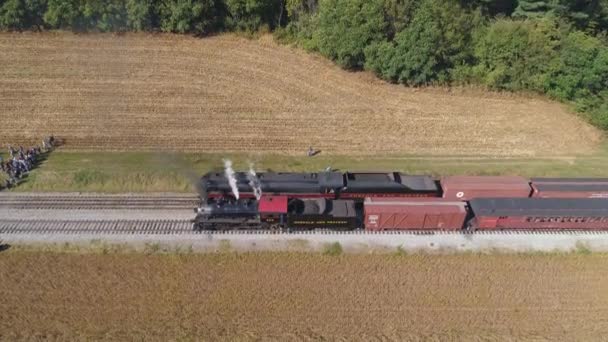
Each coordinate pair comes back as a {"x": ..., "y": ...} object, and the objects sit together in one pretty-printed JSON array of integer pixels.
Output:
[{"x": 278, "y": 213}]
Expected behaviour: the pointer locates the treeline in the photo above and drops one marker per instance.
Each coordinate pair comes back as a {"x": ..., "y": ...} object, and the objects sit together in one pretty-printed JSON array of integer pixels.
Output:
[
  {"x": 179, "y": 16},
  {"x": 554, "y": 47}
]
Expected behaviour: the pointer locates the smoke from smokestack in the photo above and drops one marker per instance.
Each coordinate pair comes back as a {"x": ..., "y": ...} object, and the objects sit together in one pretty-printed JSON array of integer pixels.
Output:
[
  {"x": 229, "y": 173},
  {"x": 254, "y": 182}
]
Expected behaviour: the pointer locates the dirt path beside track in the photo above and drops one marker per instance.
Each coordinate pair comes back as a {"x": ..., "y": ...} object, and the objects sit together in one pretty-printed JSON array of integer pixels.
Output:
[{"x": 303, "y": 296}]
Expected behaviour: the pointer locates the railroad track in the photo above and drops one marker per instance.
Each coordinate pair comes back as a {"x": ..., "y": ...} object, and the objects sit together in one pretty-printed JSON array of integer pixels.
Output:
[
  {"x": 140, "y": 227},
  {"x": 98, "y": 202},
  {"x": 173, "y": 227}
]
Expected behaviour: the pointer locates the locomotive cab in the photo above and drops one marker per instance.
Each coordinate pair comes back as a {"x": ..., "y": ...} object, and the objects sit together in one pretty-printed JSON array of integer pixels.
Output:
[{"x": 273, "y": 211}]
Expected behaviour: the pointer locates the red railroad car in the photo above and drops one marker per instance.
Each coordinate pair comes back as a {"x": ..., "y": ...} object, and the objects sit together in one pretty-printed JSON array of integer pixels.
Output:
[
  {"x": 465, "y": 188},
  {"x": 570, "y": 187},
  {"x": 539, "y": 213},
  {"x": 417, "y": 214}
]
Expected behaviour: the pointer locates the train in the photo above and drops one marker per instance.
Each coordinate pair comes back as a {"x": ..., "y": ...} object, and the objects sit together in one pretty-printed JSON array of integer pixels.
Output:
[{"x": 394, "y": 201}]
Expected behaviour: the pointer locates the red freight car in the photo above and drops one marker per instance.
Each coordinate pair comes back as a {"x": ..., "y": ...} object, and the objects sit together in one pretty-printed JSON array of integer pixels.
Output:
[
  {"x": 468, "y": 187},
  {"x": 418, "y": 214},
  {"x": 570, "y": 187},
  {"x": 539, "y": 213}
]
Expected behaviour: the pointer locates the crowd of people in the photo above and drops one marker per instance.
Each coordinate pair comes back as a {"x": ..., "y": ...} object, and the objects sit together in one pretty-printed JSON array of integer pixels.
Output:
[{"x": 22, "y": 160}]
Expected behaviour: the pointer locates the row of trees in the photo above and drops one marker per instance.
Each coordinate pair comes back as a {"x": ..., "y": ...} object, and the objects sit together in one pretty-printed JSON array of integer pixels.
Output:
[
  {"x": 554, "y": 47},
  {"x": 180, "y": 16}
]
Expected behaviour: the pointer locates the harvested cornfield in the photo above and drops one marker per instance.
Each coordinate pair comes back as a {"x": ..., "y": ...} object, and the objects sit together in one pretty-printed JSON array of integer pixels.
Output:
[
  {"x": 72, "y": 296},
  {"x": 230, "y": 94}
]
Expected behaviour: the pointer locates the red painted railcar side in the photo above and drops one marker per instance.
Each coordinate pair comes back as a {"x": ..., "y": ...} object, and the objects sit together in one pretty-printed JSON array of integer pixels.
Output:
[
  {"x": 419, "y": 214},
  {"x": 540, "y": 223},
  {"x": 465, "y": 188},
  {"x": 570, "y": 187},
  {"x": 539, "y": 214}
]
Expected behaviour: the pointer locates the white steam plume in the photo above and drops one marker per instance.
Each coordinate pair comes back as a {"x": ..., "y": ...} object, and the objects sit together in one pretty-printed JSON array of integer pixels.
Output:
[
  {"x": 254, "y": 182},
  {"x": 229, "y": 173}
]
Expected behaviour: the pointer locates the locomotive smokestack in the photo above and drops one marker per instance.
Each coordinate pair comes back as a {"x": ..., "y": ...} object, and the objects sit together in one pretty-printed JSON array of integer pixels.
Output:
[
  {"x": 254, "y": 182},
  {"x": 229, "y": 173}
]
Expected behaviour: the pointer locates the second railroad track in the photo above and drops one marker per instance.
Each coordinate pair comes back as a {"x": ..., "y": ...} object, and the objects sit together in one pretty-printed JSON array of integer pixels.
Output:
[{"x": 79, "y": 201}]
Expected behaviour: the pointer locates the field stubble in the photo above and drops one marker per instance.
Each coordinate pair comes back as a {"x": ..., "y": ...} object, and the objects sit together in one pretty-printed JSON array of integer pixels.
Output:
[
  {"x": 230, "y": 94},
  {"x": 302, "y": 296}
]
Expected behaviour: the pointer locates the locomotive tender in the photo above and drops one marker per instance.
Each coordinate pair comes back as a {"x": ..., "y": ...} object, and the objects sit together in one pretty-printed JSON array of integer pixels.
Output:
[{"x": 398, "y": 202}]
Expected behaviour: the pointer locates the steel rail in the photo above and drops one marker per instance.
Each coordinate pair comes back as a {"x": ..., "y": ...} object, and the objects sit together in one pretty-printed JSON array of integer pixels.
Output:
[
  {"x": 98, "y": 202},
  {"x": 166, "y": 227}
]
